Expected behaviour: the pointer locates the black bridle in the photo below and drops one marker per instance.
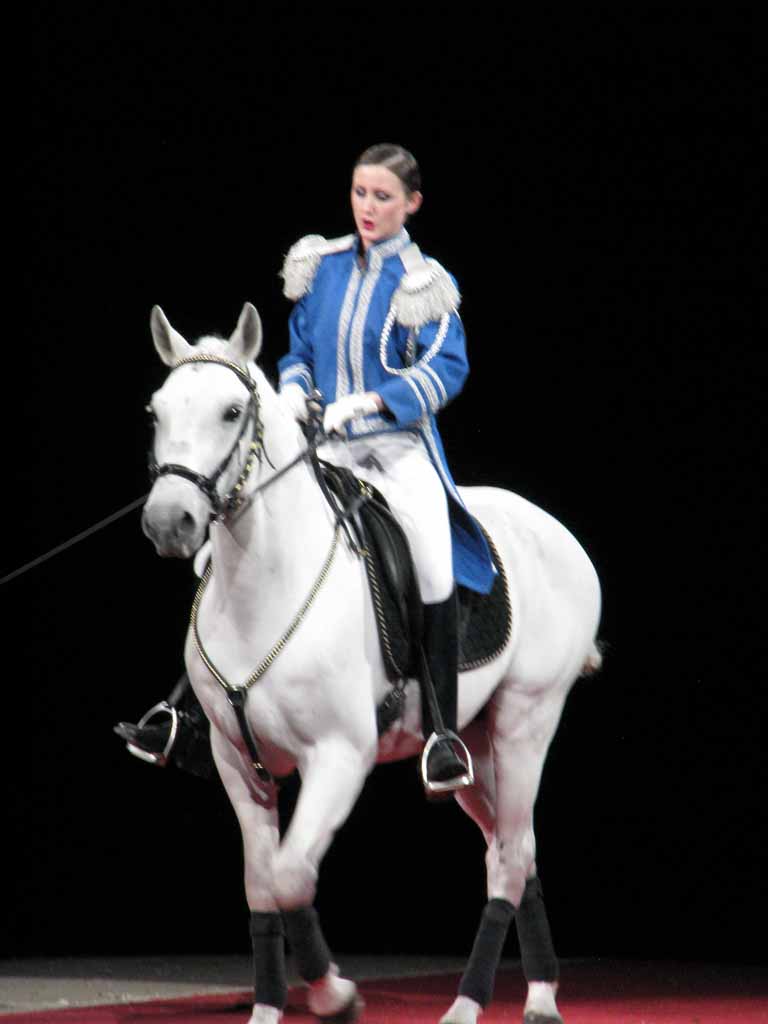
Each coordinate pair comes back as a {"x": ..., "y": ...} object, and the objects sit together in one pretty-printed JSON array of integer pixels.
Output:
[
  {"x": 222, "y": 506},
  {"x": 236, "y": 501}
]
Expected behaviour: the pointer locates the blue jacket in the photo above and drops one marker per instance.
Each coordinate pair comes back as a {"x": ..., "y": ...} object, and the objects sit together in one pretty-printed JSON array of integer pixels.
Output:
[{"x": 392, "y": 328}]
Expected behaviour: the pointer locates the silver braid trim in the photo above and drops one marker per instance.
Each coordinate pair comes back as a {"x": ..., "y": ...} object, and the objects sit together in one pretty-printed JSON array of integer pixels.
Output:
[
  {"x": 412, "y": 384},
  {"x": 420, "y": 372},
  {"x": 342, "y": 377},
  {"x": 357, "y": 333},
  {"x": 440, "y": 385},
  {"x": 300, "y": 371},
  {"x": 428, "y": 388}
]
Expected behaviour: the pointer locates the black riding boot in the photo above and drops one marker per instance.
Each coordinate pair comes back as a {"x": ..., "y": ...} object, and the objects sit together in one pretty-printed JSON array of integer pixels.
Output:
[
  {"x": 446, "y": 764},
  {"x": 175, "y": 729}
]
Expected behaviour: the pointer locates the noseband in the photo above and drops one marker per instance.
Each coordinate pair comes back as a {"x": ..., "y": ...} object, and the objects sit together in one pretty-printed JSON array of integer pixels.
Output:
[{"x": 222, "y": 506}]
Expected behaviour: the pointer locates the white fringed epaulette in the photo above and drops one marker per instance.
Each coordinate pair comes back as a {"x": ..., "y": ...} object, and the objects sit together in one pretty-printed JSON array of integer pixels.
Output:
[
  {"x": 426, "y": 291},
  {"x": 303, "y": 259}
]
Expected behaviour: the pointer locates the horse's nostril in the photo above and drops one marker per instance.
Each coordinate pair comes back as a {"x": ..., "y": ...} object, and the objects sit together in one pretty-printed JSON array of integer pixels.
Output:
[{"x": 186, "y": 524}]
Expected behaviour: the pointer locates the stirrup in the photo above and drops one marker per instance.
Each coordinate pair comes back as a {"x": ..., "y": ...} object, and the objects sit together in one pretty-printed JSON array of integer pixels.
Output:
[
  {"x": 161, "y": 760},
  {"x": 437, "y": 787}
]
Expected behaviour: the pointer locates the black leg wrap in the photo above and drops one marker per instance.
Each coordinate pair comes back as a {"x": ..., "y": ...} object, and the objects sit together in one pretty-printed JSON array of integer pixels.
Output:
[
  {"x": 536, "y": 947},
  {"x": 267, "y": 938},
  {"x": 480, "y": 973},
  {"x": 307, "y": 942}
]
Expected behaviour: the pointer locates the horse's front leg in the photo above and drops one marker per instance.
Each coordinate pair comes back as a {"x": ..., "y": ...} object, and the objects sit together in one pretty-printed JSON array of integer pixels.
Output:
[
  {"x": 333, "y": 774},
  {"x": 256, "y": 808}
]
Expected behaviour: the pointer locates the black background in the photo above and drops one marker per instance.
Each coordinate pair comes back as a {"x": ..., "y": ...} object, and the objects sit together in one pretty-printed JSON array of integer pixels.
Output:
[{"x": 591, "y": 184}]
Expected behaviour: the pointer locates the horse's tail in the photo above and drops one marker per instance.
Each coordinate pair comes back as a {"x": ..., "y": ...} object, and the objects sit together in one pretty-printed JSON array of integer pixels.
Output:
[{"x": 594, "y": 660}]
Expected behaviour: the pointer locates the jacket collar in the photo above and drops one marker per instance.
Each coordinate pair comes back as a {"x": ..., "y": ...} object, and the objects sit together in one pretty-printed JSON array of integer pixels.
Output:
[{"x": 379, "y": 251}]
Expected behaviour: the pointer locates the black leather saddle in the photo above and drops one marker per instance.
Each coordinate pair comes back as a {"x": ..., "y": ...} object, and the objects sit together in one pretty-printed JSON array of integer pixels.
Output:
[{"x": 485, "y": 620}]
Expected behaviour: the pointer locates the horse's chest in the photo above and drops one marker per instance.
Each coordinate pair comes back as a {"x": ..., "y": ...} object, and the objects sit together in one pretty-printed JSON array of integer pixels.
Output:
[{"x": 276, "y": 715}]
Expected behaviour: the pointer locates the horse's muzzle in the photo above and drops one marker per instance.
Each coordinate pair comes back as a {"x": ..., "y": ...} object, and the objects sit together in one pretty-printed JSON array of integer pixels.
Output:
[{"x": 176, "y": 527}]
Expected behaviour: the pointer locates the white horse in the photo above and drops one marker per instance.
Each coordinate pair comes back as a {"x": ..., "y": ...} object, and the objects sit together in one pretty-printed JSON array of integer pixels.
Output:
[{"x": 314, "y": 706}]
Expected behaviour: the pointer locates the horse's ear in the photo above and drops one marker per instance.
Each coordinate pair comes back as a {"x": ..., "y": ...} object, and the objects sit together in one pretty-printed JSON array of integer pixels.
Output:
[
  {"x": 170, "y": 345},
  {"x": 245, "y": 343}
]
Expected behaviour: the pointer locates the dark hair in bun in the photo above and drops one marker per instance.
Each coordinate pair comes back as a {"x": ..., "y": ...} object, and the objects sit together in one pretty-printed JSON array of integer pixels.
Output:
[{"x": 397, "y": 160}]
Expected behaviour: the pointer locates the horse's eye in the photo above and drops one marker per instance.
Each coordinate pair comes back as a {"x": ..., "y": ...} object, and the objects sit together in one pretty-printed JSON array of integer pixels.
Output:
[
  {"x": 151, "y": 413},
  {"x": 232, "y": 414}
]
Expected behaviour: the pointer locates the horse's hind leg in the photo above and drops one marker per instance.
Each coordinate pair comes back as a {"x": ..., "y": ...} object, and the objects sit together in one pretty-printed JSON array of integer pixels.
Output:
[
  {"x": 522, "y": 727},
  {"x": 501, "y": 803},
  {"x": 479, "y": 803}
]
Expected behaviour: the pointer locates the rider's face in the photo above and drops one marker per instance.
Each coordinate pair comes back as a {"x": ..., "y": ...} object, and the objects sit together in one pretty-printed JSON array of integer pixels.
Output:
[{"x": 380, "y": 203}]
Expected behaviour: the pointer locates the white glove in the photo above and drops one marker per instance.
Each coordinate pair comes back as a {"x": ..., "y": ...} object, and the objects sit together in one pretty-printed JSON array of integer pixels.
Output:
[
  {"x": 347, "y": 408},
  {"x": 295, "y": 398}
]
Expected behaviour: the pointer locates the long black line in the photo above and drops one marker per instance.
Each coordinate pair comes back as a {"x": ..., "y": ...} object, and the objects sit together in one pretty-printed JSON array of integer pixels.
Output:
[{"x": 74, "y": 540}]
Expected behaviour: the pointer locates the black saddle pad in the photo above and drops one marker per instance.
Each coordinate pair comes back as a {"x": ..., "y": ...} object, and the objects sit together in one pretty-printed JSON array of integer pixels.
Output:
[{"x": 485, "y": 620}]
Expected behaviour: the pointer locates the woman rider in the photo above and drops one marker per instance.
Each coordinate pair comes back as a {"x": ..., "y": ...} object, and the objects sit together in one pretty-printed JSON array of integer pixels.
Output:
[{"x": 375, "y": 328}]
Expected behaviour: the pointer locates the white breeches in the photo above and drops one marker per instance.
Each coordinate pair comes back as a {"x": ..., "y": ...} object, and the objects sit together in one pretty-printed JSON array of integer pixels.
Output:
[{"x": 399, "y": 466}]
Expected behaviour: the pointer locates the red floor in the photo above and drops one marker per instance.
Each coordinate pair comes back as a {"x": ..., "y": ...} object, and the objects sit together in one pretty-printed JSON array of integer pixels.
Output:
[{"x": 592, "y": 992}]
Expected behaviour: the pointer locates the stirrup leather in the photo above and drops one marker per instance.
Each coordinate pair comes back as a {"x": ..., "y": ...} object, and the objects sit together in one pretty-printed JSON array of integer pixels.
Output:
[
  {"x": 161, "y": 760},
  {"x": 448, "y": 785}
]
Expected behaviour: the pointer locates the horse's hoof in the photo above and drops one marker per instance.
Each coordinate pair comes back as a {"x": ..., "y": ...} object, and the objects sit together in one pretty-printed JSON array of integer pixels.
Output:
[
  {"x": 463, "y": 1011},
  {"x": 531, "y": 1017},
  {"x": 347, "y": 1014}
]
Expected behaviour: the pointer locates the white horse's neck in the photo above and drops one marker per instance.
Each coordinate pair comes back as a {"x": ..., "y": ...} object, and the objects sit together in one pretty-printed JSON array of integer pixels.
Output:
[{"x": 277, "y": 544}]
